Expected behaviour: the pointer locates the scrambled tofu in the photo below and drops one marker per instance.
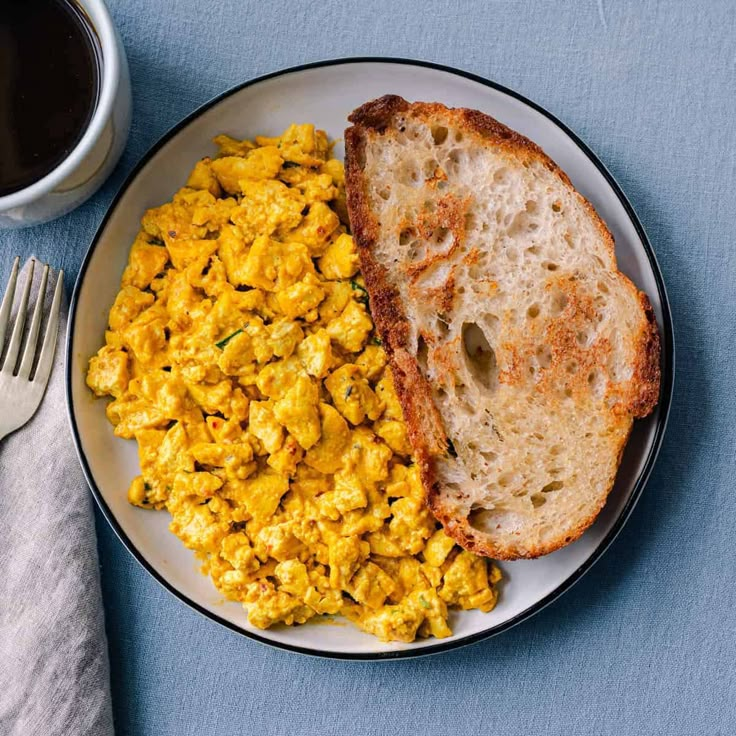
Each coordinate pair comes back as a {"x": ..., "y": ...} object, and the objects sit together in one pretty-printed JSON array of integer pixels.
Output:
[{"x": 241, "y": 357}]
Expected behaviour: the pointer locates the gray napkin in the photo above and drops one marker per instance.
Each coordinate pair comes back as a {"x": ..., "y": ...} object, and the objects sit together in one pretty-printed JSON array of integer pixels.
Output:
[{"x": 54, "y": 675}]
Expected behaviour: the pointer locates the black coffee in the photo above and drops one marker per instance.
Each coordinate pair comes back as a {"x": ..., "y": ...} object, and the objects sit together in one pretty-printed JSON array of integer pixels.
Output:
[{"x": 49, "y": 79}]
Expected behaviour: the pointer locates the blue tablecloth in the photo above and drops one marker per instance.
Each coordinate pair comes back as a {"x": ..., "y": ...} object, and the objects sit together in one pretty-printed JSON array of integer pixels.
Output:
[{"x": 646, "y": 643}]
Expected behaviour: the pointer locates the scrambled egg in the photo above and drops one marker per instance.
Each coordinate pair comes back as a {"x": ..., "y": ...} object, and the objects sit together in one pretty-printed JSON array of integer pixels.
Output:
[{"x": 241, "y": 357}]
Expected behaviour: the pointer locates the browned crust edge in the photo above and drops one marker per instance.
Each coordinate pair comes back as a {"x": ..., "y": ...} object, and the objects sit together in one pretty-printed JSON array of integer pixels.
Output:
[
  {"x": 647, "y": 372},
  {"x": 422, "y": 418},
  {"x": 423, "y": 421}
]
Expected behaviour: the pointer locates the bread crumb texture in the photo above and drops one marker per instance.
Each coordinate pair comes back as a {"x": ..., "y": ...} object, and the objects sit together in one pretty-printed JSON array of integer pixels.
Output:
[{"x": 521, "y": 354}]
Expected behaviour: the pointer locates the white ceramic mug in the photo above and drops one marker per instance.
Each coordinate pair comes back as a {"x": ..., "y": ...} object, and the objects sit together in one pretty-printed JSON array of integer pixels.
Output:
[{"x": 90, "y": 162}]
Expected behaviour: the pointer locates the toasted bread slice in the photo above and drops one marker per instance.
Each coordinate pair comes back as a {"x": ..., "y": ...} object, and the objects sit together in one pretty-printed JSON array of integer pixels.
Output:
[{"x": 521, "y": 355}]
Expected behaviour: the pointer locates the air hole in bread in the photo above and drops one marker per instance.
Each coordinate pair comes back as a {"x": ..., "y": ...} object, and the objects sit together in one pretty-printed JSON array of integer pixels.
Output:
[
  {"x": 488, "y": 456},
  {"x": 441, "y": 236},
  {"x": 520, "y": 224},
  {"x": 603, "y": 287},
  {"x": 431, "y": 169},
  {"x": 568, "y": 392},
  {"x": 572, "y": 367},
  {"x": 555, "y": 450},
  {"x": 490, "y": 322},
  {"x": 417, "y": 251},
  {"x": 439, "y": 134},
  {"x": 431, "y": 275},
  {"x": 501, "y": 176},
  {"x": 533, "y": 250},
  {"x": 422, "y": 353},
  {"x": 441, "y": 327},
  {"x": 407, "y": 235},
  {"x": 485, "y": 520},
  {"x": 544, "y": 356},
  {"x": 555, "y": 485},
  {"x": 559, "y": 302},
  {"x": 384, "y": 193},
  {"x": 582, "y": 337},
  {"x": 557, "y": 206},
  {"x": 550, "y": 266},
  {"x": 505, "y": 479},
  {"x": 533, "y": 311},
  {"x": 458, "y": 136},
  {"x": 538, "y": 500},
  {"x": 479, "y": 355},
  {"x": 470, "y": 221},
  {"x": 455, "y": 156}
]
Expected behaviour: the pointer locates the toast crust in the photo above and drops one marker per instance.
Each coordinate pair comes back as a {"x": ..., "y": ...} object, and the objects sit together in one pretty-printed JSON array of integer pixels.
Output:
[{"x": 423, "y": 419}]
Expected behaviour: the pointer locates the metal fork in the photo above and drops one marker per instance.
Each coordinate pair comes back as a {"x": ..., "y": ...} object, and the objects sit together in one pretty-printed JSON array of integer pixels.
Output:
[{"x": 21, "y": 388}]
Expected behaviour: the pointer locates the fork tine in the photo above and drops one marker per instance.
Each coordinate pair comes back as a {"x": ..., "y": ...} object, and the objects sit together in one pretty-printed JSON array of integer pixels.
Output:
[
  {"x": 20, "y": 321},
  {"x": 8, "y": 302},
  {"x": 29, "y": 353},
  {"x": 46, "y": 359}
]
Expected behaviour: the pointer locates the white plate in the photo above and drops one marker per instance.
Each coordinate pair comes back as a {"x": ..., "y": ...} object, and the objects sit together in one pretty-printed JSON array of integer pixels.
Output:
[{"x": 325, "y": 94}]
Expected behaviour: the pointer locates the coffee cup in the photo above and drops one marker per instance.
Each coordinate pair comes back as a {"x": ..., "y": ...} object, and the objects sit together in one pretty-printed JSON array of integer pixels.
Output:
[{"x": 99, "y": 142}]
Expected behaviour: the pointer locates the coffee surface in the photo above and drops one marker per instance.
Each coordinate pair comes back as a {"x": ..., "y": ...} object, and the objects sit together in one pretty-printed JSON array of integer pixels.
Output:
[{"x": 49, "y": 79}]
